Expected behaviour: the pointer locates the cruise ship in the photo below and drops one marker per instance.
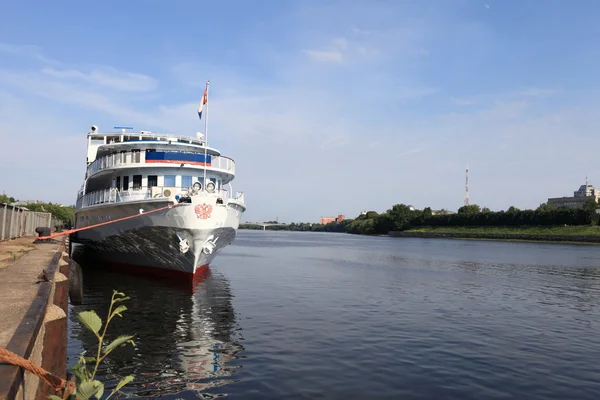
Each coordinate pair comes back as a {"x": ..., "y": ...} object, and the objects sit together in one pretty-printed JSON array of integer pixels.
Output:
[{"x": 156, "y": 203}]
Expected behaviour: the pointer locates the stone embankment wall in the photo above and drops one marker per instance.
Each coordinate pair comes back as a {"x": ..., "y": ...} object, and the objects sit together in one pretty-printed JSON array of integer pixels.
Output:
[{"x": 41, "y": 334}]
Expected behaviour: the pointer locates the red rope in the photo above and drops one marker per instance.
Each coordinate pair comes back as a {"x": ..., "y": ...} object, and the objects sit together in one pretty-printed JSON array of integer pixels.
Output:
[
  {"x": 57, "y": 383},
  {"x": 68, "y": 232}
]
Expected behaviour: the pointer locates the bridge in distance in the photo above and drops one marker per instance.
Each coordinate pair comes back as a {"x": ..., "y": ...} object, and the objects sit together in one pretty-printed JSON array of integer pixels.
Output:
[{"x": 263, "y": 224}]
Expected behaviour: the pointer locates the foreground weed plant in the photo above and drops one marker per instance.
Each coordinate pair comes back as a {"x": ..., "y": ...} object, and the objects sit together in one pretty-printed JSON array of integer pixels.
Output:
[{"x": 85, "y": 370}]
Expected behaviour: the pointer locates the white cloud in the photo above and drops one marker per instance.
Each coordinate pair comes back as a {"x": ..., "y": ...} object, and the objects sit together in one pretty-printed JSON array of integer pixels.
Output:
[
  {"x": 325, "y": 56},
  {"x": 536, "y": 92},
  {"x": 26, "y": 51},
  {"x": 462, "y": 101},
  {"x": 359, "y": 31},
  {"x": 106, "y": 76}
]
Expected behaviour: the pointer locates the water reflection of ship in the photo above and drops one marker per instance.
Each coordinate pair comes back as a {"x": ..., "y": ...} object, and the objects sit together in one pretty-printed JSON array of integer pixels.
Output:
[{"x": 183, "y": 341}]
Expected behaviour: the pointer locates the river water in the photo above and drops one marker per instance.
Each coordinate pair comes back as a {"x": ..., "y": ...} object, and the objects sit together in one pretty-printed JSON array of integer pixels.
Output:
[{"x": 334, "y": 316}]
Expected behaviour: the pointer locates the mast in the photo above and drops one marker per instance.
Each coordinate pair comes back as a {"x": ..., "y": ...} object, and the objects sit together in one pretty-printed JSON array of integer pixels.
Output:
[{"x": 205, "y": 136}]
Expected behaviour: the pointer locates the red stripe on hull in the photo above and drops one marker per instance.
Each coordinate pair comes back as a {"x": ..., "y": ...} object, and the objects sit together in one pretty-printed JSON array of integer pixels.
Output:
[{"x": 176, "y": 277}]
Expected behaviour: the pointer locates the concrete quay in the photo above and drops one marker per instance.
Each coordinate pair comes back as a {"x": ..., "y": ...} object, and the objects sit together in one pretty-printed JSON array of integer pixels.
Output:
[{"x": 33, "y": 313}]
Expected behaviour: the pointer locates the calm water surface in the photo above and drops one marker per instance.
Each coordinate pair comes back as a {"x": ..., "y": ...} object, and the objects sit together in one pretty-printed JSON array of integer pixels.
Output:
[{"x": 334, "y": 316}]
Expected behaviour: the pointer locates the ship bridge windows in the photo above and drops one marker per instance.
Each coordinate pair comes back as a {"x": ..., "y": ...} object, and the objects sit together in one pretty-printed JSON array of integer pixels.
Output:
[
  {"x": 152, "y": 180},
  {"x": 186, "y": 181},
  {"x": 137, "y": 181},
  {"x": 136, "y": 156},
  {"x": 169, "y": 180}
]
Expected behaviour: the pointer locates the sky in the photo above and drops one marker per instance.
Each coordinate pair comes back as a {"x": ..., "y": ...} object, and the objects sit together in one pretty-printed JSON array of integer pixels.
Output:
[{"x": 328, "y": 107}]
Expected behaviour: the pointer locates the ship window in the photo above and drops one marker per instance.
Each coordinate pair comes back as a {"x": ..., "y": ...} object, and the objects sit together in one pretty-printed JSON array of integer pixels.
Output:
[
  {"x": 137, "y": 181},
  {"x": 136, "y": 158},
  {"x": 152, "y": 180},
  {"x": 169, "y": 180},
  {"x": 118, "y": 185},
  {"x": 125, "y": 183},
  {"x": 186, "y": 181}
]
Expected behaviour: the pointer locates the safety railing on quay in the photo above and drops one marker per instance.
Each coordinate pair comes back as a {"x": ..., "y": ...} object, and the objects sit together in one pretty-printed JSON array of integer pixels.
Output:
[{"x": 16, "y": 222}]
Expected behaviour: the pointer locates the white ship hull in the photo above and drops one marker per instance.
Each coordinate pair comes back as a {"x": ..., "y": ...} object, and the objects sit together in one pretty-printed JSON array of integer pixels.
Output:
[{"x": 179, "y": 238}]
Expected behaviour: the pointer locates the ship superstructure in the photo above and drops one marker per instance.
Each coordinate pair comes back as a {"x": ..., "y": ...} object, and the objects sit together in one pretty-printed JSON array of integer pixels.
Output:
[{"x": 156, "y": 200}]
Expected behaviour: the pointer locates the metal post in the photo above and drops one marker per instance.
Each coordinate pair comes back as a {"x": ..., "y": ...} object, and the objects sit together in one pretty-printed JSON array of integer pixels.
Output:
[
  {"x": 3, "y": 221},
  {"x": 12, "y": 223},
  {"x": 22, "y": 223}
]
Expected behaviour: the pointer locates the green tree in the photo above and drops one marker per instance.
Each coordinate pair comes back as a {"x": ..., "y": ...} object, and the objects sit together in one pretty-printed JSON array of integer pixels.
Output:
[
  {"x": 401, "y": 216},
  {"x": 427, "y": 213},
  {"x": 544, "y": 207},
  {"x": 470, "y": 209}
]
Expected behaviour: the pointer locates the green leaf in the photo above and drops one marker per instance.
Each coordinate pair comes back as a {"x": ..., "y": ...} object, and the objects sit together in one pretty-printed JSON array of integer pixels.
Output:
[
  {"x": 118, "y": 311},
  {"x": 117, "y": 342},
  {"x": 78, "y": 373},
  {"x": 90, "y": 359},
  {"x": 100, "y": 387},
  {"x": 54, "y": 397},
  {"x": 124, "y": 382},
  {"x": 86, "y": 389},
  {"x": 78, "y": 369},
  {"x": 121, "y": 299},
  {"x": 90, "y": 320}
]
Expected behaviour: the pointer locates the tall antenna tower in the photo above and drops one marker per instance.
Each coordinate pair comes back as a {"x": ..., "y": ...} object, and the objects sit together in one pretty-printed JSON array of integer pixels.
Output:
[{"x": 467, "y": 187}]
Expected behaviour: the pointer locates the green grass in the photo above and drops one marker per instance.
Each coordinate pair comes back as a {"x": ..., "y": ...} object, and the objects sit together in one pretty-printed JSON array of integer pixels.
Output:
[{"x": 537, "y": 230}]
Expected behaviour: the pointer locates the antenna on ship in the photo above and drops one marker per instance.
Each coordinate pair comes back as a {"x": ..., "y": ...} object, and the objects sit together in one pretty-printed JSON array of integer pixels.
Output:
[
  {"x": 467, "y": 187},
  {"x": 123, "y": 128}
]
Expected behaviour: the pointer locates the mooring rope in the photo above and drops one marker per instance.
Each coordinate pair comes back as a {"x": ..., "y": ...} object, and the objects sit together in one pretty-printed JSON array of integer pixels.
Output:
[
  {"x": 68, "y": 232},
  {"x": 57, "y": 383}
]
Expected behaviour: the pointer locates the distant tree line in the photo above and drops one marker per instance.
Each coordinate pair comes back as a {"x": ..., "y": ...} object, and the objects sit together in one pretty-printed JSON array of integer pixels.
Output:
[
  {"x": 402, "y": 217},
  {"x": 59, "y": 212}
]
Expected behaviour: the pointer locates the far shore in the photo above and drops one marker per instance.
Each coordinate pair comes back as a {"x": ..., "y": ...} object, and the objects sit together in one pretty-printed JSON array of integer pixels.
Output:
[{"x": 555, "y": 234}]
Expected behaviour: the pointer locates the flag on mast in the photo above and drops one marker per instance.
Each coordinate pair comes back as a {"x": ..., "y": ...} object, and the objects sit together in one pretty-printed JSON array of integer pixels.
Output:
[{"x": 203, "y": 102}]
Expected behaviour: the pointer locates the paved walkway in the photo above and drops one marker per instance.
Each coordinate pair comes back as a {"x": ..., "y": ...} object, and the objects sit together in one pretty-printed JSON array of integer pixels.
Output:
[{"x": 21, "y": 262}]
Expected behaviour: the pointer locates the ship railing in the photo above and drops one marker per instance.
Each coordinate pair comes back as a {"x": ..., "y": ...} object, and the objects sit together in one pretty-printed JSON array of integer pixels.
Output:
[
  {"x": 112, "y": 138},
  {"x": 137, "y": 157},
  {"x": 114, "y": 195}
]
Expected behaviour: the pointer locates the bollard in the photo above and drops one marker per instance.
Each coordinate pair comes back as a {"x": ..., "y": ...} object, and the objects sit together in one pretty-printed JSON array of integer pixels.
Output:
[{"x": 42, "y": 231}]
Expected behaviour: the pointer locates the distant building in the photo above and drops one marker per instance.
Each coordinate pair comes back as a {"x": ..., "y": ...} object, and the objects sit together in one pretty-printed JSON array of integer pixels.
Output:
[
  {"x": 582, "y": 195},
  {"x": 441, "y": 212},
  {"x": 326, "y": 220}
]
